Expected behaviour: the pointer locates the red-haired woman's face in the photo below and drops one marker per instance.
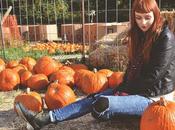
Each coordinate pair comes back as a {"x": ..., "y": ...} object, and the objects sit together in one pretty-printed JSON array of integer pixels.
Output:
[{"x": 144, "y": 20}]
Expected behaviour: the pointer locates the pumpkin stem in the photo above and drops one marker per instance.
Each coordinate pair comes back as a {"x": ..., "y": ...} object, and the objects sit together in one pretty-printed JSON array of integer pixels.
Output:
[
  {"x": 68, "y": 62},
  {"x": 95, "y": 70},
  {"x": 56, "y": 81},
  {"x": 162, "y": 101},
  {"x": 28, "y": 90}
]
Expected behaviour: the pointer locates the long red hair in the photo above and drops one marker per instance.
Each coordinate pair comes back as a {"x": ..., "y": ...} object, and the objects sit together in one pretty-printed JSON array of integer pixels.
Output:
[{"x": 144, "y": 6}]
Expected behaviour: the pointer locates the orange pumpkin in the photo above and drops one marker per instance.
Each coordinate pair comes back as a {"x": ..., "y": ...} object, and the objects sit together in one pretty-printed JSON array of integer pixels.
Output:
[
  {"x": 37, "y": 81},
  {"x": 2, "y": 67},
  {"x": 2, "y": 64},
  {"x": 20, "y": 68},
  {"x": 45, "y": 65},
  {"x": 9, "y": 79},
  {"x": 65, "y": 75},
  {"x": 159, "y": 115},
  {"x": 76, "y": 67},
  {"x": 90, "y": 82},
  {"x": 51, "y": 51},
  {"x": 107, "y": 72},
  {"x": 2, "y": 61},
  {"x": 67, "y": 69},
  {"x": 24, "y": 77},
  {"x": 31, "y": 100},
  {"x": 28, "y": 62},
  {"x": 11, "y": 64},
  {"x": 59, "y": 95},
  {"x": 115, "y": 79},
  {"x": 77, "y": 77}
]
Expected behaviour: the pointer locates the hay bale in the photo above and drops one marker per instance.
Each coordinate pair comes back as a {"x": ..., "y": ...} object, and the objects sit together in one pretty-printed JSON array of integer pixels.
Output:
[
  {"x": 109, "y": 57},
  {"x": 170, "y": 17}
]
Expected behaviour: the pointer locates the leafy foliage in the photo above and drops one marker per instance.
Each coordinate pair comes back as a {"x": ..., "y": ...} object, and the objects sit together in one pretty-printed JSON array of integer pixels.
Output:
[
  {"x": 15, "y": 53},
  {"x": 39, "y": 11}
]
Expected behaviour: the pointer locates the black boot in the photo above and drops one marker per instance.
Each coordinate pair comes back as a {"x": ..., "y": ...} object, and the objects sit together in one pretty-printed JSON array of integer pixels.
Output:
[{"x": 36, "y": 120}]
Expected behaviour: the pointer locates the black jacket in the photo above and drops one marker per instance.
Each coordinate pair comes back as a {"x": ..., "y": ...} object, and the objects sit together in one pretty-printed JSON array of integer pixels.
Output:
[{"x": 157, "y": 77}]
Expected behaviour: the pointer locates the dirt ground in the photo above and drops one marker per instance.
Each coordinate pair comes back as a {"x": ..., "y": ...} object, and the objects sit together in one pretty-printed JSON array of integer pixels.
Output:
[{"x": 10, "y": 121}]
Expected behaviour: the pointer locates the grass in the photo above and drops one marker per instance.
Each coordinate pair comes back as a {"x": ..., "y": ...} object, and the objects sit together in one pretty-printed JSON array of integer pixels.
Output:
[{"x": 16, "y": 53}]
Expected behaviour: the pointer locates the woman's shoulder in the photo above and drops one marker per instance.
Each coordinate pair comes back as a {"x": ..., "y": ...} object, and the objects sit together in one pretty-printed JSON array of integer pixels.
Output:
[
  {"x": 166, "y": 33},
  {"x": 166, "y": 38}
]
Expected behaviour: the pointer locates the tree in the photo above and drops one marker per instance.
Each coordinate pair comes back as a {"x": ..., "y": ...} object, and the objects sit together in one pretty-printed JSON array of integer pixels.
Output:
[{"x": 39, "y": 11}]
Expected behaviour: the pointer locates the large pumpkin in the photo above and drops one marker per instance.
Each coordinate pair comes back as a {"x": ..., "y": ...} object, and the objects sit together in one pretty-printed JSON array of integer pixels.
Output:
[
  {"x": 45, "y": 65},
  {"x": 115, "y": 79},
  {"x": 159, "y": 115},
  {"x": 58, "y": 96},
  {"x": 76, "y": 67},
  {"x": 37, "y": 81},
  {"x": 31, "y": 100},
  {"x": 9, "y": 79},
  {"x": 90, "y": 82},
  {"x": 28, "y": 62}
]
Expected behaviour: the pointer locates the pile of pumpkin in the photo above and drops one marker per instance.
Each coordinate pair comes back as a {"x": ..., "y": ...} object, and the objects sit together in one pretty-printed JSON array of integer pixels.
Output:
[
  {"x": 58, "y": 80},
  {"x": 52, "y": 47}
]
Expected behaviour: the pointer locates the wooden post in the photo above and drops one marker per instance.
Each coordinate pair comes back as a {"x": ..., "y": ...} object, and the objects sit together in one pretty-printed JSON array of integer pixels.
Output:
[
  {"x": 83, "y": 30},
  {"x": 2, "y": 19}
]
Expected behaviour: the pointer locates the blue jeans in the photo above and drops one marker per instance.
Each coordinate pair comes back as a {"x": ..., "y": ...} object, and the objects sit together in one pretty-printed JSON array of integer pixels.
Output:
[{"x": 118, "y": 105}]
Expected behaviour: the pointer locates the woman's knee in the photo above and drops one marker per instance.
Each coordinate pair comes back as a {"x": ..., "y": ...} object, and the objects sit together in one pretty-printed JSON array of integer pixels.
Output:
[
  {"x": 101, "y": 104},
  {"x": 100, "y": 107}
]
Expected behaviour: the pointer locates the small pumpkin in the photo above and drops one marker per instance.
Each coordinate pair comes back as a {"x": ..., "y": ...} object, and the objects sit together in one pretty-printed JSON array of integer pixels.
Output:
[
  {"x": 67, "y": 69},
  {"x": 2, "y": 67},
  {"x": 9, "y": 80},
  {"x": 31, "y": 100},
  {"x": 65, "y": 75},
  {"x": 159, "y": 115},
  {"x": 107, "y": 72},
  {"x": 20, "y": 68},
  {"x": 24, "y": 77},
  {"x": 115, "y": 79},
  {"x": 45, "y": 65},
  {"x": 59, "y": 95},
  {"x": 76, "y": 67},
  {"x": 37, "y": 81},
  {"x": 28, "y": 62},
  {"x": 51, "y": 51},
  {"x": 2, "y": 64},
  {"x": 11, "y": 64}
]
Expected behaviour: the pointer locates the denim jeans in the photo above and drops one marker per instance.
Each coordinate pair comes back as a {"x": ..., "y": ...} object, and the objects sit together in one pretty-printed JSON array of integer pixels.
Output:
[{"x": 118, "y": 105}]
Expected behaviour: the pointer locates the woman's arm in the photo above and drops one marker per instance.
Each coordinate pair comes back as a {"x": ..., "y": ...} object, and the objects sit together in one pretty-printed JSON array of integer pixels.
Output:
[{"x": 161, "y": 56}]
